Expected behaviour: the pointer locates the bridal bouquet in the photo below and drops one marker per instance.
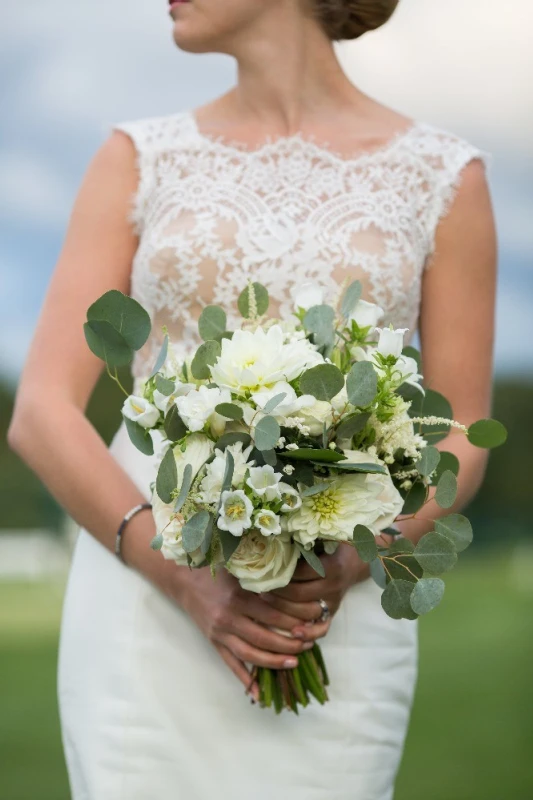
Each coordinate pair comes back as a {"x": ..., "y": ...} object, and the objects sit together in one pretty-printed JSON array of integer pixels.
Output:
[{"x": 287, "y": 438}]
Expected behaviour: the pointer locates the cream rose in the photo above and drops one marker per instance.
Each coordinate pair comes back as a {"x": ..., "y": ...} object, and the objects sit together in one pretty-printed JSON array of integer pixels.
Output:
[
  {"x": 263, "y": 563},
  {"x": 389, "y": 498}
]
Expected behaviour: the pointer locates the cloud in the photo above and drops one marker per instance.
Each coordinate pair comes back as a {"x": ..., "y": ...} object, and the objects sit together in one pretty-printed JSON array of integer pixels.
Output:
[{"x": 32, "y": 189}]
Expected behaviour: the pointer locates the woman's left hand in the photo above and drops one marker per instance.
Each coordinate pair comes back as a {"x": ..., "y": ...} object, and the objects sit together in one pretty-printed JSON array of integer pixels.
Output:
[{"x": 300, "y": 598}]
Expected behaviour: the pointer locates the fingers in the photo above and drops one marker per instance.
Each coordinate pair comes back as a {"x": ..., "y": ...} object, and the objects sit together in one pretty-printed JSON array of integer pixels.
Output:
[
  {"x": 256, "y": 608},
  {"x": 238, "y": 669},
  {"x": 260, "y": 637},
  {"x": 247, "y": 652},
  {"x": 305, "y": 591},
  {"x": 304, "y": 572},
  {"x": 310, "y": 633},
  {"x": 308, "y": 612}
]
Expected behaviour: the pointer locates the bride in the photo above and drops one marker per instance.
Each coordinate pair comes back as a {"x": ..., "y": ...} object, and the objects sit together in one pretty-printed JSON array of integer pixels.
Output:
[{"x": 293, "y": 176}]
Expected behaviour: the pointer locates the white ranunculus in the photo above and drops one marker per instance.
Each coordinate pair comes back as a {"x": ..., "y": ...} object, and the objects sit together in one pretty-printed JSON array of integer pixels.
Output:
[
  {"x": 141, "y": 411},
  {"x": 290, "y": 403},
  {"x": 264, "y": 563},
  {"x": 388, "y": 496},
  {"x": 196, "y": 407},
  {"x": 211, "y": 485},
  {"x": 267, "y": 522},
  {"x": 315, "y": 416},
  {"x": 366, "y": 314},
  {"x": 391, "y": 341},
  {"x": 290, "y": 498},
  {"x": 408, "y": 369},
  {"x": 306, "y": 295},
  {"x": 264, "y": 482},
  {"x": 235, "y": 513},
  {"x": 170, "y": 526},
  {"x": 251, "y": 360}
]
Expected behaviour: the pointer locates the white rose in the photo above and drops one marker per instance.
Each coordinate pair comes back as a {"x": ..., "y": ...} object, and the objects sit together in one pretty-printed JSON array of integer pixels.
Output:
[
  {"x": 267, "y": 522},
  {"x": 264, "y": 482},
  {"x": 389, "y": 498},
  {"x": 196, "y": 407},
  {"x": 141, "y": 411},
  {"x": 366, "y": 314},
  {"x": 315, "y": 416},
  {"x": 307, "y": 295},
  {"x": 235, "y": 513},
  {"x": 391, "y": 341},
  {"x": 263, "y": 564}
]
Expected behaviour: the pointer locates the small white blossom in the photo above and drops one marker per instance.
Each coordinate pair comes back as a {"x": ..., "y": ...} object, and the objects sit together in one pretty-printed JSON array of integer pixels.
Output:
[
  {"x": 196, "y": 407},
  {"x": 332, "y": 446},
  {"x": 391, "y": 341},
  {"x": 235, "y": 513},
  {"x": 366, "y": 314},
  {"x": 289, "y": 469},
  {"x": 291, "y": 500},
  {"x": 264, "y": 482},
  {"x": 140, "y": 411},
  {"x": 292, "y": 446},
  {"x": 306, "y": 295},
  {"x": 267, "y": 522}
]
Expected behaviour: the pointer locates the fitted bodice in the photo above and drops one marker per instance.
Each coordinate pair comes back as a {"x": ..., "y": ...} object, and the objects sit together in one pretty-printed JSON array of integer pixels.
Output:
[{"x": 212, "y": 215}]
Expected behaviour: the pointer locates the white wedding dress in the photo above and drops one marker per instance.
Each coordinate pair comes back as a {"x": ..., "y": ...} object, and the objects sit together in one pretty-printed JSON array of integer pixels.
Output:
[{"x": 148, "y": 708}]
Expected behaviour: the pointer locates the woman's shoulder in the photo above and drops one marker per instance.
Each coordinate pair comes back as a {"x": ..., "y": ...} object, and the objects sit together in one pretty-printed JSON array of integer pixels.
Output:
[
  {"x": 156, "y": 133},
  {"x": 443, "y": 150}
]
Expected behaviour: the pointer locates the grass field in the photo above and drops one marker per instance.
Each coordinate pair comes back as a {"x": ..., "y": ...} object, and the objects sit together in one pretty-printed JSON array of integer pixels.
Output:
[{"x": 471, "y": 736}]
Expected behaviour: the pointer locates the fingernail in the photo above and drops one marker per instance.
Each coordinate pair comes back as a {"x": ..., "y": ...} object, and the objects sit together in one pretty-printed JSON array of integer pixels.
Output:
[
  {"x": 290, "y": 663},
  {"x": 309, "y": 624},
  {"x": 308, "y": 645},
  {"x": 253, "y": 701},
  {"x": 298, "y": 633}
]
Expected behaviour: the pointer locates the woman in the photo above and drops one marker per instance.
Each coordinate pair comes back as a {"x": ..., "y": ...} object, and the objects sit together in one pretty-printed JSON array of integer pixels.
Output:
[{"x": 293, "y": 175}]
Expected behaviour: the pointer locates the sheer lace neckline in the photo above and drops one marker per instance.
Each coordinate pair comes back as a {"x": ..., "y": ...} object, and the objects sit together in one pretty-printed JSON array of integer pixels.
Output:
[{"x": 298, "y": 142}]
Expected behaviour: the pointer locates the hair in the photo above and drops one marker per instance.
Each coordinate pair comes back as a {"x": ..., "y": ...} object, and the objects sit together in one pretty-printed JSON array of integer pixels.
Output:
[{"x": 350, "y": 19}]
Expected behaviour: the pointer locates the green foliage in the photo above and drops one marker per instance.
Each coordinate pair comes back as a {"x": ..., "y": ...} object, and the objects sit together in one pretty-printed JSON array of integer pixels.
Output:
[
  {"x": 324, "y": 456},
  {"x": 106, "y": 343},
  {"x": 432, "y": 404},
  {"x": 274, "y": 402},
  {"x": 414, "y": 498},
  {"x": 448, "y": 461},
  {"x": 323, "y": 382},
  {"x": 362, "y": 384},
  {"x": 173, "y": 425},
  {"x": 157, "y": 542},
  {"x": 313, "y": 561},
  {"x": 229, "y": 410},
  {"x": 396, "y": 600},
  {"x": 229, "y": 543},
  {"x": 195, "y": 530},
  {"x": 232, "y": 438},
  {"x": 164, "y": 385},
  {"x": 352, "y": 425},
  {"x": 205, "y": 357},
  {"x": 426, "y": 595},
  {"x": 446, "y": 493},
  {"x": 228, "y": 472},
  {"x": 487, "y": 433},
  {"x": 161, "y": 358},
  {"x": 351, "y": 297},
  {"x": 212, "y": 323},
  {"x": 167, "y": 476},
  {"x": 319, "y": 321},
  {"x": 435, "y": 553},
  {"x": 125, "y": 315},
  {"x": 365, "y": 543},
  {"x": 429, "y": 461},
  {"x": 457, "y": 529},
  {"x": 185, "y": 487},
  {"x": 318, "y": 488},
  {"x": 261, "y": 300},
  {"x": 267, "y": 433},
  {"x": 370, "y": 468},
  {"x": 140, "y": 437}
]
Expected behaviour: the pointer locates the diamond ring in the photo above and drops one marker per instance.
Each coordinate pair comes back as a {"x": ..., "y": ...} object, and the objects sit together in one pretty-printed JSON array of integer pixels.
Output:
[{"x": 326, "y": 613}]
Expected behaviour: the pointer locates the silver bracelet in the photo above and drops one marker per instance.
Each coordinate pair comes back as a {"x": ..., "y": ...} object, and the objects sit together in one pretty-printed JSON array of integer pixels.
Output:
[{"x": 118, "y": 539}]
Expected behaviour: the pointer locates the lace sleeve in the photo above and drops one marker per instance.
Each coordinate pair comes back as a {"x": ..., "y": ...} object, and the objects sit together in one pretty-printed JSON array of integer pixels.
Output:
[
  {"x": 454, "y": 156},
  {"x": 136, "y": 130}
]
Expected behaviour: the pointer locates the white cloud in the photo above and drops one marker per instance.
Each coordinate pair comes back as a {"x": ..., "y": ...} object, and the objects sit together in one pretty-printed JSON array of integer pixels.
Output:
[{"x": 32, "y": 190}]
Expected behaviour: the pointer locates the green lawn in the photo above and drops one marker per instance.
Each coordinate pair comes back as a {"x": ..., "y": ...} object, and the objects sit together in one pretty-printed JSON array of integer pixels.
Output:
[{"x": 471, "y": 736}]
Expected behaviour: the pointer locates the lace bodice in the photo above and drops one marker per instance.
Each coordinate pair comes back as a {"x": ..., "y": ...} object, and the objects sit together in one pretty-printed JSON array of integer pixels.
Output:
[{"x": 210, "y": 215}]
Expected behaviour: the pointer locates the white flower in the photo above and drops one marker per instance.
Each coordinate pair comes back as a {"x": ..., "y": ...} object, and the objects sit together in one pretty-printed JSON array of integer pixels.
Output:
[
  {"x": 366, "y": 314},
  {"x": 291, "y": 500},
  {"x": 141, "y": 411},
  {"x": 306, "y": 295},
  {"x": 314, "y": 417},
  {"x": 196, "y": 407},
  {"x": 264, "y": 482},
  {"x": 290, "y": 403},
  {"x": 398, "y": 433},
  {"x": 235, "y": 512},
  {"x": 198, "y": 450},
  {"x": 408, "y": 372},
  {"x": 390, "y": 499},
  {"x": 264, "y": 563},
  {"x": 163, "y": 402},
  {"x": 211, "y": 485},
  {"x": 391, "y": 341},
  {"x": 267, "y": 522},
  {"x": 170, "y": 526},
  {"x": 289, "y": 469},
  {"x": 254, "y": 359},
  {"x": 292, "y": 446}
]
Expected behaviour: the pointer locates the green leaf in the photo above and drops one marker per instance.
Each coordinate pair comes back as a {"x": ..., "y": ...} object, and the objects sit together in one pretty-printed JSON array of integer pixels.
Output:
[
  {"x": 323, "y": 382},
  {"x": 313, "y": 561},
  {"x": 212, "y": 323},
  {"x": 261, "y": 300},
  {"x": 370, "y": 468},
  {"x": 426, "y": 595},
  {"x": 161, "y": 358},
  {"x": 352, "y": 425},
  {"x": 228, "y": 472},
  {"x": 185, "y": 487},
  {"x": 351, "y": 297},
  {"x": 448, "y": 461},
  {"x": 396, "y": 600},
  {"x": 457, "y": 529},
  {"x": 194, "y": 531},
  {"x": 164, "y": 385},
  {"x": 107, "y": 344},
  {"x": 365, "y": 543},
  {"x": 274, "y": 402},
  {"x": 429, "y": 461},
  {"x": 205, "y": 357},
  {"x": 229, "y": 543},
  {"x": 229, "y": 410},
  {"x": 446, "y": 493},
  {"x": 401, "y": 545},
  {"x": 321, "y": 455},
  {"x": 267, "y": 433},
  {"x": 232, "y": 438},
  {"x": 174, "y": 427},
  {"x": 362, "y": 383},
  {"x": 167, "y": 476},
  {"x": 319, "y": 321},
  {"x": 487, "y": 433},
  {"x": 377, "y": 573},
  {"x": 303, "y": 473},
  {"x": 318, "y": 488},
  {"x": 140, "y": 437},
  {"x": 403, "y": 567},
  {"x": 432, "y": 404},
  {"x": 270, "y": 457},
  {"x": 125, "y": 315},
  {"x": 435, "y": 553},
  {"x": 157, "y": 542},
  {"x": 414, "y": 499}
]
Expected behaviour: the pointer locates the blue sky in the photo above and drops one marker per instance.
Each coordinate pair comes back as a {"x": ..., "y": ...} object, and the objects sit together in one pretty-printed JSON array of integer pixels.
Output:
[{"x": 69, "y": 70}]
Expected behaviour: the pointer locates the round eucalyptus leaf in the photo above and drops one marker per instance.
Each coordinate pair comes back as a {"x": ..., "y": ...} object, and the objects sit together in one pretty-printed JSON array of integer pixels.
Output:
[
  {"x": 205, "y": 357},
  {"x": 323, "y": 382},
  {"x": 106, "y": 343},
  {"x": 448, "y": 461},
  {"x": 267, "y": 433},
  {"x": 435, "y": 553},
  {"x": 396, "y": 600},
  {"x": 401, "y": 545},
  {"x": 157, "y": 542},
  {"x": 319, "y": 320},
  {"x": 164, "y": 385},
  {"x": 261, "y": 300},
  {"x": 427, "y": 595},
  {"x": 432, "y": 404},
  {"x": 232, "y": 438},
  {"x": 173, "y": 425},
  {"x": 457, "y": 529},
  {"x": 125, "y": 315},
  {"x": 195, "y": 530},
  {"x": 229, "y": 410},
  {"x": 212, "y": 323},
  {"x": 403, "y": 567},
  {"x": 370, "y": 468},
  {"x": 140, "y": 437},
  {"x": 487, "y": 433},
  {"x": 429, "y": 461},
  {"x": 365, "y": 543},
  {"x": 274, "y": 402},
  {"x": 167, "y": 476},
  {"x": 352, "y": 425},
  {"x": 362, "y": 383},
  {"x": 352, "y": 295},
  {"x": 313, "y": 560},
  {"x": 161, "y": 358},
  {"x": 446, "y": 493},
  {"x": 377, "y": 573},
  {"x": 415, "y": 498}
]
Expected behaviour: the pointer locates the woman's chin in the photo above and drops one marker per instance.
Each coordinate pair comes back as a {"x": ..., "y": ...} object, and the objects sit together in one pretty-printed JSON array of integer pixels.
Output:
[{"x": 186, "y": 40}]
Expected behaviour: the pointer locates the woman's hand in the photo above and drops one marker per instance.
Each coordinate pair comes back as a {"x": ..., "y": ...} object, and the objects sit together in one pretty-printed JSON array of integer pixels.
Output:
[{"x": 300, "y": 598}]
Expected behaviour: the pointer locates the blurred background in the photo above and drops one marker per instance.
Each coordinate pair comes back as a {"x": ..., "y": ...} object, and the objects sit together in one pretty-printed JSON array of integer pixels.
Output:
[{"x": 67, "y": 72}]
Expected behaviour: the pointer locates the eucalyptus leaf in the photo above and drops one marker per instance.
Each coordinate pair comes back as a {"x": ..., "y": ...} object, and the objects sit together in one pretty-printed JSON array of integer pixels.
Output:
[
  {"x": 396, "y": 600},
  {"x": 487, "y": 433},
  {"x": 140, "y": 437},
  {"x": 362, "y": 384},
  {"x": 194, "y": 531},
  {"x": 352, "y": 295},
  {"x": 446, "y": 493},
  {"x": 167, "y": 476},
  {"x": 370, "y": 468},
  {"x": 261, "y": 300},
  {"x": 377, "y": 573},
  {"x": 427, "y": 595},
  {"x": 106, "y": 343},
  {"x": 323, "y": 382},
  {"x": 157, "y": 542},
  {"x": 274, "y": 402},
  {"x": 205, "y": 357},
  {"x": 125, "y": 315},
  {"x": 401, "y": 545},
  {"x": 270, "y": 457},
  {"x": 164, "y": 385},
  {"x": 414, "y": 498},
  {"x": 267, "y": 433},
  {"x": 228, "y": 472},
  {"x": 229, "y": 544},
  {"x": 185, "y": 487},
  {"x": 365, "y": 543},
  {"x": 429, "y": 461},
  {"x": 324, "y": 456},
  {"x": 448, "y": 461},
  {"x": 174, "y": 427},
  {"x": 313, "y": 561},
  {"x": 229, "y": 410},
  {"x": 318, "y": 488},
  {"x": 457, "y": 529},
  {"x": 432, "y": 404},
  {"x": 212, "y": 323},
  {"x": 352, "y": 425},
  {"x": 435, "y": 553},
  {"x": 403, "y": 566},
  {"x": 161, "y": 358},
  {"x": 228, "y": 439},
  {"x": 320, "y": 322}
]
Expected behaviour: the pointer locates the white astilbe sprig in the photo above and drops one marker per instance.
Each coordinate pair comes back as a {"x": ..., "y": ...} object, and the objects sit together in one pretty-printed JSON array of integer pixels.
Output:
[{"x": 441, "y": 421}]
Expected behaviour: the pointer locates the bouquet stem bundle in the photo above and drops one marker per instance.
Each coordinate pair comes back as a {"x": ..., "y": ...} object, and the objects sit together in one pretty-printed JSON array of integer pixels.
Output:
[{"x": 290, "y": 688}]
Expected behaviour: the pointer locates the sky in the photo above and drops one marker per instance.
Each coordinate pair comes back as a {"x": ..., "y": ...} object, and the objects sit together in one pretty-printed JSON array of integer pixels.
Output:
[{"x": 68, "y": 71}]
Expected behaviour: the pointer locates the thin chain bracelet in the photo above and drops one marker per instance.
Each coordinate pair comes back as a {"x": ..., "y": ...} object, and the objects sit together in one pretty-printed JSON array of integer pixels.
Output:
[{"x": 118, "y": 539}]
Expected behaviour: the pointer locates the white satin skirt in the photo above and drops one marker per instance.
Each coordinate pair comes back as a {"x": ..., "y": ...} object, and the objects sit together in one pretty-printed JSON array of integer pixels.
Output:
[{"x": 149, "y": 710}]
